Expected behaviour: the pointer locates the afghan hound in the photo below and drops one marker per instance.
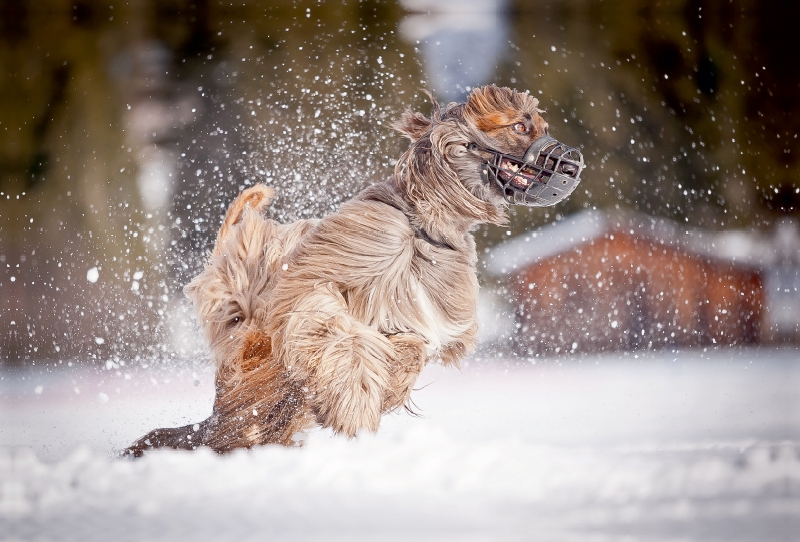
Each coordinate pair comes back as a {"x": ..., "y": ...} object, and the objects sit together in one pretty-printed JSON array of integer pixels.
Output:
[{"x": 329, "y": 322}]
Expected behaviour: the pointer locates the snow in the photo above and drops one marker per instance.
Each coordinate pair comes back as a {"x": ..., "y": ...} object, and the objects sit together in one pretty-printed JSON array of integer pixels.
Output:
[
  {"x": 92, "y": 275},
  {"x": 689, "y": 445}
]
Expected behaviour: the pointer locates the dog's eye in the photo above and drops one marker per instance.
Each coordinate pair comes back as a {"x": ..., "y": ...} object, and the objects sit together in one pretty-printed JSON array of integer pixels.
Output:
[
  {"x": 234, "y": 321},
  {"x": 521, "y": 128}
]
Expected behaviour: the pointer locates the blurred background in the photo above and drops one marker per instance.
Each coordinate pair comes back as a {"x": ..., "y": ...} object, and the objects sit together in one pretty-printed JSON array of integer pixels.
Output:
[
  {"x": 127, "y": 127},
  {"x": 637, "y": 374}
]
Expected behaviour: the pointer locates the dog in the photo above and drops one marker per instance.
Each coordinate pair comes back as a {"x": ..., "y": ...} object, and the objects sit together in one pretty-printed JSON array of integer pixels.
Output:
[{"x": 328, "y": 322}]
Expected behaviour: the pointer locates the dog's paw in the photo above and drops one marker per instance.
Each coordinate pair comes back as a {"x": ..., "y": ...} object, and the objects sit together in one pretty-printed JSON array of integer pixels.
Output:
[
  {"x": 135, "y": 450},
  {"x": 409, "y": 359},
  {"x": 351, "y": 378}
]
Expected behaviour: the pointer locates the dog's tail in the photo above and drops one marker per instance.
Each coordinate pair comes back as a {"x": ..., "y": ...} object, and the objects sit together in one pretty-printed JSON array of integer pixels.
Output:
[{"x": 256, "y": 197}]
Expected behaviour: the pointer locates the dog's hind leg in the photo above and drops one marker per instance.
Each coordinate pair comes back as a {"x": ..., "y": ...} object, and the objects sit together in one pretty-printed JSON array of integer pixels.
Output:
[
  {"x": 257, "y": 402},
  {"x": 187, "y": 437}
]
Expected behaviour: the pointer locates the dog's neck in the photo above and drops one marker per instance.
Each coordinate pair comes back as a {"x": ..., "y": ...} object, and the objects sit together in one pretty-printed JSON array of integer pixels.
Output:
[{"x": 440, "y": 226}]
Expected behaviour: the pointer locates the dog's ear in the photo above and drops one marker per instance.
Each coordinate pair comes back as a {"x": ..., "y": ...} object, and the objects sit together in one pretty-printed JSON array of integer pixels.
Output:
[
  {"x": 413, "y": 125},
  {"x": 491, "y": 107}
]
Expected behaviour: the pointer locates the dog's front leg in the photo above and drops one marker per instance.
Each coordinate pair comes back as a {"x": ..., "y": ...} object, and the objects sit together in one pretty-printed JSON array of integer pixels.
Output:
[
  {"x": 410, "y": 357},
  {"x": 344, "y": 363}
]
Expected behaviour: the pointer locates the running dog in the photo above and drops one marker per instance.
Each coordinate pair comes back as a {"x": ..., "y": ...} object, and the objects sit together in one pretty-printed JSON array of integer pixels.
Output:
[{"x": 329, "y": 322}]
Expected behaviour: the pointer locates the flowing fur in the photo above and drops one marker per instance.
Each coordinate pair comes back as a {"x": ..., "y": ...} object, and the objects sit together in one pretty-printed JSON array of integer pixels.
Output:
[{"x": 330, "y": 321}]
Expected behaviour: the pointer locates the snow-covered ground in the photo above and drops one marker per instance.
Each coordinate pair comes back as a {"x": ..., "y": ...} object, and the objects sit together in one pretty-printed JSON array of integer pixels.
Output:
[{"x": 677, "y": 446}]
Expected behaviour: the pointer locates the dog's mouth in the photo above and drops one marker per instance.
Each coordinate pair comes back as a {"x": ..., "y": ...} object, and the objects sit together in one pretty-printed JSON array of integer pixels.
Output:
[
  {"x": 522, "y": 175},
  {"x": 547, "y": 173},
  {"x": 519, "y": 177}
]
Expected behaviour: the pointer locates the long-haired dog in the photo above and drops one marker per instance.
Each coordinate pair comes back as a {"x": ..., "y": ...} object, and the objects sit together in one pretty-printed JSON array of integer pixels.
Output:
[{"x": 329, "y": 322}]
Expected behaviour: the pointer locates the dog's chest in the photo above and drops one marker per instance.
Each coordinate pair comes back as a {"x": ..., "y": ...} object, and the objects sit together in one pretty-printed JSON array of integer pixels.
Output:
[
  {"x": 437, "y": 329},
  {"x": 445, "y": 301}
]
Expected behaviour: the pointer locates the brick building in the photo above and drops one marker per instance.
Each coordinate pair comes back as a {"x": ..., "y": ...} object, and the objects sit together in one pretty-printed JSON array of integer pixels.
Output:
[{"x": 594, "y": 282}]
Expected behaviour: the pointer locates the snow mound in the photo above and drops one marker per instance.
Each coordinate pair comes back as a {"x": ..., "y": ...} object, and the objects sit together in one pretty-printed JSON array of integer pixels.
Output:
[
  {"x": 669, "y": 446},
  {"x": 419, "y": 484}
]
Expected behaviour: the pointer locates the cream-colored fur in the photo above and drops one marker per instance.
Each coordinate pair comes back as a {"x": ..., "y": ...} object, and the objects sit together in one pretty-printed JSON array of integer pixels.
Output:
[{"x": 330, "y": 321}]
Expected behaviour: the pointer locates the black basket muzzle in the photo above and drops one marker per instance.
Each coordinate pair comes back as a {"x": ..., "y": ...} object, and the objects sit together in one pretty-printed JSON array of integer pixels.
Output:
[{"x": 547, "y": 173}]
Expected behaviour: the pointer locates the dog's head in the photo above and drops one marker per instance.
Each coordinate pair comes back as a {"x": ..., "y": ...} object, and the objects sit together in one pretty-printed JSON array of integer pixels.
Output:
[{"x": 495, "y": 145}]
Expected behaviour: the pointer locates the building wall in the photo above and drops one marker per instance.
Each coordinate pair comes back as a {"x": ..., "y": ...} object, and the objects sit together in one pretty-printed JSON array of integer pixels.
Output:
[{"x": 622, "y": 292}]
